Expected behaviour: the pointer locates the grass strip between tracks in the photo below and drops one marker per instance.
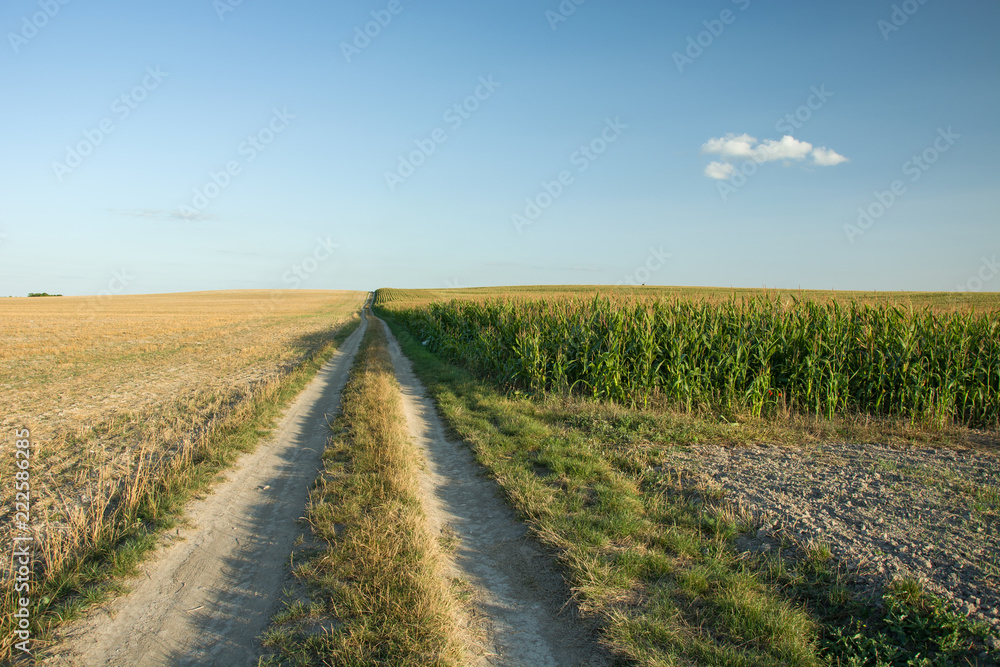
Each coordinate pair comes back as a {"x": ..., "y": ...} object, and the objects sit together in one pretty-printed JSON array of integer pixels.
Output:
[{"x": 375, "y": 592}]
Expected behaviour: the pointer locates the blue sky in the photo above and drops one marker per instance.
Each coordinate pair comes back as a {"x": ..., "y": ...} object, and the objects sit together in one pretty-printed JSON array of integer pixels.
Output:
[{"x": 121, "y": 119}]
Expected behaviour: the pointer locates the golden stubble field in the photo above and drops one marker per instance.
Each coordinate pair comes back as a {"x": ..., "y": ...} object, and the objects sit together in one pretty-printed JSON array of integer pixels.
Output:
[{"x": 111, "y": 385}]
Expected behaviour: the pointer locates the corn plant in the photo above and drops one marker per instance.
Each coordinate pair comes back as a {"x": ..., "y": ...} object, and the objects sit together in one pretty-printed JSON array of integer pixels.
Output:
[{"x": 756, "y": 355}]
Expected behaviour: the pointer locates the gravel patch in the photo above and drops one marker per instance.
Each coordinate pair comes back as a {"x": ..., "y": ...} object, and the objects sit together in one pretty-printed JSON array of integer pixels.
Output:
[{"x": 929, "y": 514}]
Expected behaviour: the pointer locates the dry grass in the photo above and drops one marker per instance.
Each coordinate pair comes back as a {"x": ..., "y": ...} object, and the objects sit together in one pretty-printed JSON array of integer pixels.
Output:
[
  {"x": 783, "y": 428},
  {"x": 123, "y": 394},
  {"x": 376, "y": 585}
]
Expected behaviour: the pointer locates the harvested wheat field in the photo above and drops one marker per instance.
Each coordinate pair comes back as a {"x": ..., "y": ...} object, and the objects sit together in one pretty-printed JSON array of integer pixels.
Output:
[{"x": 118, "y": 390}]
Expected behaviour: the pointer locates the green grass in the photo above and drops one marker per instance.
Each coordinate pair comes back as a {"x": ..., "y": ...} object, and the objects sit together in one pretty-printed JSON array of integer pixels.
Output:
[
  {"x": 911, "y": 628},
  {"x": 903, "y": 626}
]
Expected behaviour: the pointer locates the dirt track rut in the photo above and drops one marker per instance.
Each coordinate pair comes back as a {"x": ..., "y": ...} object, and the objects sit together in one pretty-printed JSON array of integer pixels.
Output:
[
  {"x": 205, "y": 598},
  {"x": 519, "y": 603}
]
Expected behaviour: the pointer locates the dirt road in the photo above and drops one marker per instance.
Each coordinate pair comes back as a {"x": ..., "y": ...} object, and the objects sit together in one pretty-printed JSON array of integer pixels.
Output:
[
  {"x": 518, "y": 601},
  {"x": 206, "y": 597}
]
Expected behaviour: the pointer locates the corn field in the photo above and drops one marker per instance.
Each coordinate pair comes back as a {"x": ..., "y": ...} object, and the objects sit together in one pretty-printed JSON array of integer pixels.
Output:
[{"x": 757, "y": 355}]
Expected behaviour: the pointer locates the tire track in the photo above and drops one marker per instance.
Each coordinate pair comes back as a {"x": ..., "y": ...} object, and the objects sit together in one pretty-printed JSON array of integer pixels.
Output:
[
  {"x": 205, "y": 598},
  {"x": 519, "y": 604}
]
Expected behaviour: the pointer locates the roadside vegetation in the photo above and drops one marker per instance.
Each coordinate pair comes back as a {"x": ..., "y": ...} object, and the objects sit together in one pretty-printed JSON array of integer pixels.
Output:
[
  {"x": 650, "y": 549},
  {"x": 101, "y": 494},
  {"x": 755, "y": 357},
  {"x": 373, "y": 591}
]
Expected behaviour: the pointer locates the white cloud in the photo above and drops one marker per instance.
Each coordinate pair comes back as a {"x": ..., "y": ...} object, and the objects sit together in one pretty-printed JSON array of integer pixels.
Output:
[
  {"x": 788, "y": 148},
  {"x": 824, "y": 157},
  {"x": 730, "y": 145},
  {"x": 733, "y": 147},
  {"x": 719, "y": 170}
]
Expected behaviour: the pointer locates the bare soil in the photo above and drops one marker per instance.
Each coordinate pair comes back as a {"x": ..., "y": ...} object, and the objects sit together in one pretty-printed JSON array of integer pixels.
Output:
[{"x": 932, "y": 515}]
